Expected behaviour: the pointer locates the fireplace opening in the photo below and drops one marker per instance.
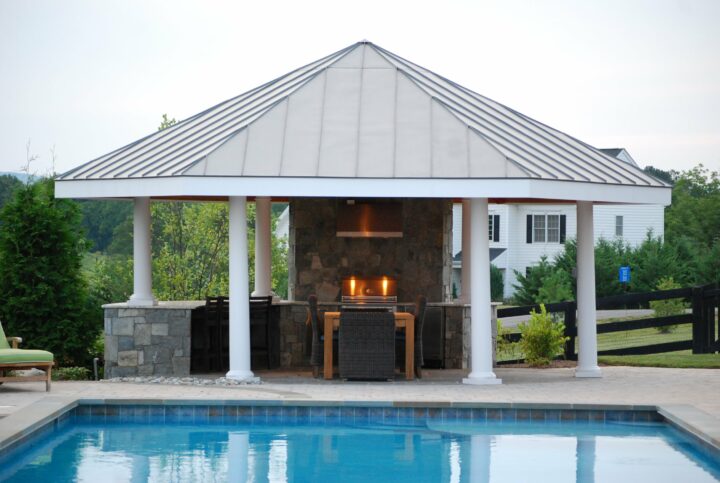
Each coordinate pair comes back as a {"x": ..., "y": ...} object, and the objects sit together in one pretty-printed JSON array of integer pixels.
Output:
[{"x": 368, "y": 293}]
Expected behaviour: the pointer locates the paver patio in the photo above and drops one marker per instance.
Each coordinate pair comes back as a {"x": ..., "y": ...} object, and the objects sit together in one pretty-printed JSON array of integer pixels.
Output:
[{"x": 619, "y": 386}]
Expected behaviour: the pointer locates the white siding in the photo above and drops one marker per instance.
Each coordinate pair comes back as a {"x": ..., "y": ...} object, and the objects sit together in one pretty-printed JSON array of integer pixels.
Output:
[{"x": 637, "y": 220}]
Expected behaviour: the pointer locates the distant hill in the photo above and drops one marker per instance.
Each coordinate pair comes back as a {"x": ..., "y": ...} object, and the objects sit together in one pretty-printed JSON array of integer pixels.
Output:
[{"x": 21, "y": 176}]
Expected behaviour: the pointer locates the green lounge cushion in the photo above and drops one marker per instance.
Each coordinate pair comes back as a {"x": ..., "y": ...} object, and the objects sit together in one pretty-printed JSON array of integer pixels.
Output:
[
  {"x": 3, "y": 340},
  {"x": 20, "y": 356}
]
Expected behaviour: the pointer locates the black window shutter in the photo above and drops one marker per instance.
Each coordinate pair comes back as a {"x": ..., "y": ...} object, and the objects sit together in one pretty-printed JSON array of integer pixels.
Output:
[
  {"x": 529, "y": 229},
  {"x": 496, "y": 228},
  {"x": 562, "y": 228}
]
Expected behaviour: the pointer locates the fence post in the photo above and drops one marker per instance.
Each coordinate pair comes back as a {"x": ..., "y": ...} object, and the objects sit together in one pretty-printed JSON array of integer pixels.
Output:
[
  {"x": 699, "y": 345},
  {"x": 570, "y": 330}
]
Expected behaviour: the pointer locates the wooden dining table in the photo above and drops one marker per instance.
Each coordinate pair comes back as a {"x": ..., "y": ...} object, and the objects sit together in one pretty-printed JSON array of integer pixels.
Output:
[{"x": 403, "y": 320}]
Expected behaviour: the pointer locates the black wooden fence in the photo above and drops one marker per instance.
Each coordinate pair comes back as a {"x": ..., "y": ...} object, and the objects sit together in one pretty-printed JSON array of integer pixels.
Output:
[{"x": 703, "y": 301}]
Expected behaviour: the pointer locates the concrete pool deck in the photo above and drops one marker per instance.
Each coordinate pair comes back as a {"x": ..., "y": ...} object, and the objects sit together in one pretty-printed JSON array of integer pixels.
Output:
[{"x": 688, "y": 397}]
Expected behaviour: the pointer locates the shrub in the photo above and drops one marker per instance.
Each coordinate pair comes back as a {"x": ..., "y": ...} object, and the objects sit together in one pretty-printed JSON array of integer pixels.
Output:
[
  {"x": 497, "y": 290},
  {"x": 666, "y": 308},
  {"x": 542, "y": 338},
  {"x": 44, "y": 297},
  {"x": 528, "y": 286},
  {"x": 557, "y": 287},
  {"x": 504, "y": 348},
  {"x": 71, "y": 374}
]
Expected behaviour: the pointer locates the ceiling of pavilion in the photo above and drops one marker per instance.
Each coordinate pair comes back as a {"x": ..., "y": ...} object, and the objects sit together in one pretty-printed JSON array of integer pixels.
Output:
[{"x": 362, "y": 112}]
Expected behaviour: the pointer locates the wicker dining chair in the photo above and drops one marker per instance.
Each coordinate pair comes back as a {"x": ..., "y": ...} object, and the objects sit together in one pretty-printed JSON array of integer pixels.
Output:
[
  {"x": 420, "y": 306},
  {"x": 367, "y": 345},
  {"x": 317, "y": 349}
]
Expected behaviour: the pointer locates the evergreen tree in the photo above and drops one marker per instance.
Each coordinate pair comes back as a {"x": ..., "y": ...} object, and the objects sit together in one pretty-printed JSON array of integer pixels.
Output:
[{"x": 44, "y": 296}]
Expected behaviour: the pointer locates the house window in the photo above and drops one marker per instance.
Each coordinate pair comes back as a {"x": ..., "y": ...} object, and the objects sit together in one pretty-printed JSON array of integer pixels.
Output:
[
  {"x": 546, "y": 228},
  {"x": 618, "y": 226},
  {"x": 494, "y": 228},
  {"x": 539, "y": 228}
]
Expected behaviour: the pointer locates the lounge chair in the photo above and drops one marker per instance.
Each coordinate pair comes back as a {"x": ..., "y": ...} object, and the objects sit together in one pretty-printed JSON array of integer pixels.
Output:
[{"x": 14, "y": 359}]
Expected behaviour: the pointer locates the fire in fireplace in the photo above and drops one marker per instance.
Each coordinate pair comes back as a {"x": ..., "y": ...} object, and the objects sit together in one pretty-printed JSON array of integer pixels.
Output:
[{"x": 369, "y": 292}]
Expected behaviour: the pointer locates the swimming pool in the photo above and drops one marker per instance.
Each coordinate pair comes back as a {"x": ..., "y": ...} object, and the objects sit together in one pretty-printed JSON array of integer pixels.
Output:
[{"x": 299, "y": 443}]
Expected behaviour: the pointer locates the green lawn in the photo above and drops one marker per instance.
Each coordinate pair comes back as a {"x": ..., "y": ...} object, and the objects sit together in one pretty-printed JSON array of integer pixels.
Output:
[
  {"x": 643, "y": 337},
  {"x": 681, "y": 359}
]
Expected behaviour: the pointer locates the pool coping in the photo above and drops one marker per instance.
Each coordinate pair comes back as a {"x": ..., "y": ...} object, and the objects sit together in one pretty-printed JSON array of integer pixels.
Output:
[{"x": 20, "y": 425}]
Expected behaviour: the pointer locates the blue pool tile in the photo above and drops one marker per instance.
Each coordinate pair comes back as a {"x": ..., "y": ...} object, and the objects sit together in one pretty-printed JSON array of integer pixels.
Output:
[
  {"x": 201, "y": 414},
  {"x": 274, "y": 415},
  {"x": 552, "y": 416},
  {"x": 288, "y": 413},
  {"x": 230, "y": 414},
  {"x": 479, "y": 415},
  {"x": 509, "y": 415},
  {"x": 494, "y": 414},
  {"x": 567, "y": 415},
  {"x": 303, "y": 414},
  {"x": 244, "y": 414},
  {"x": 522, "y": 415},
  {"x": 434, "y": 414},
  {"x": 464, "y": 414},
  {"x": 375, "y": 415},
  {"x": 317, "y": 415},
  {"x": 141, "y": 414},
  {"x": 259, "y": 414},
  {"x": 420, "y": 413},
  {"x": 157, "y": 413},
  {"x": 596, "y": 416},
  {"x": 215, "y": 412},
  {"x": 332, "y": 415},
  {"x": 537, "y": 415},
  {"x": 582, "y": 416},
  {"x": 347, "y": 415},
  {"x": 362, "y": 416},
  {"x": 619, "y": 416},
  {"x": 82, "y": 410},
  {"x": 127, "y": 414},
  {"x": 390, "y": 415},
  {"x": 97, "y": 410},
  {"x": 405, "y": 415},
  {"x": 112, "y": 411}
]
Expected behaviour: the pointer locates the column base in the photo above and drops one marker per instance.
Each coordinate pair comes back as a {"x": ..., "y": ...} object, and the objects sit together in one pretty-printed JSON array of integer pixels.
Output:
[
  {"x": 590, "y": 372},
  {"x": 142, "y": 301},
  {"x": 482, "y": 379},
  {"x": 246, "y": 376}
]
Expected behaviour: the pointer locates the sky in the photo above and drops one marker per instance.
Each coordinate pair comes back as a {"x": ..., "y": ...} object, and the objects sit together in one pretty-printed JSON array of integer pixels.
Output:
[{"x": 79, "y": 79}]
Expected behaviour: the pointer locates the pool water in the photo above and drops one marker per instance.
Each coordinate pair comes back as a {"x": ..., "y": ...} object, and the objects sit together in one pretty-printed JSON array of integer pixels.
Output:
[{"x": 428, "y": 451}]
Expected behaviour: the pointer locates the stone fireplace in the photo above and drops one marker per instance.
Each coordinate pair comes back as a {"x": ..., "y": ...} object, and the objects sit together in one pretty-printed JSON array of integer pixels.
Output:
[{"x": 420, "y": 260}]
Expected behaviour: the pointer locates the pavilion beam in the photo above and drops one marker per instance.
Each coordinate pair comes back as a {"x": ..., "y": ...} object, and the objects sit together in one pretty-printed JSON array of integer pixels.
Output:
[
  {"x": 142, "y": 264},
  {"x": 586, "y": 316},
  {"x": 481, "y": 366},
  {"x": 239, "y": 288},
  {"x": 263, "y": 275},
  {"x": 465, "y": 281}
]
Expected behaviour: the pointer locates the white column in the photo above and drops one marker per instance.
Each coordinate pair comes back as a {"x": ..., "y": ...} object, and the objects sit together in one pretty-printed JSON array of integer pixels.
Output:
[
  {"x": 480, "y": 310},
  {"x": 239, "y": 288},
  {"x": 466, "y": 252},
  {"x": 142, "y": 264},
  {"x": 586, "y": 323},
  {"x": 263, "y": 277}
]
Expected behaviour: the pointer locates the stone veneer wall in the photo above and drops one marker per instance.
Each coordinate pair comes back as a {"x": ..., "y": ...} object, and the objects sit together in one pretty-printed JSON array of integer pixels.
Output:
[
  {"x": 152, "y": 341},
  {"x": 421, "y": 259},
  {"x": 145, "y": 341}
]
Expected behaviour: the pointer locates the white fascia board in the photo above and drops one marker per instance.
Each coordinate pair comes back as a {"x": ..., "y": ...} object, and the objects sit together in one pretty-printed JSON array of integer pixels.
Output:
[{"x": 361, "y": 187}]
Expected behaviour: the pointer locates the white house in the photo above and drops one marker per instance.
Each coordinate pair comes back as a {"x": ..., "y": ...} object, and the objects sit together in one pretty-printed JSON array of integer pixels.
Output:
[{"x": 520, "y": 234}]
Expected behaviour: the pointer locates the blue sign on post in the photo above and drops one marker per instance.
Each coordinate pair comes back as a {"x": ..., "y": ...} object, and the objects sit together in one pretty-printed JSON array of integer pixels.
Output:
[{"x": 624, "y": 275}]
